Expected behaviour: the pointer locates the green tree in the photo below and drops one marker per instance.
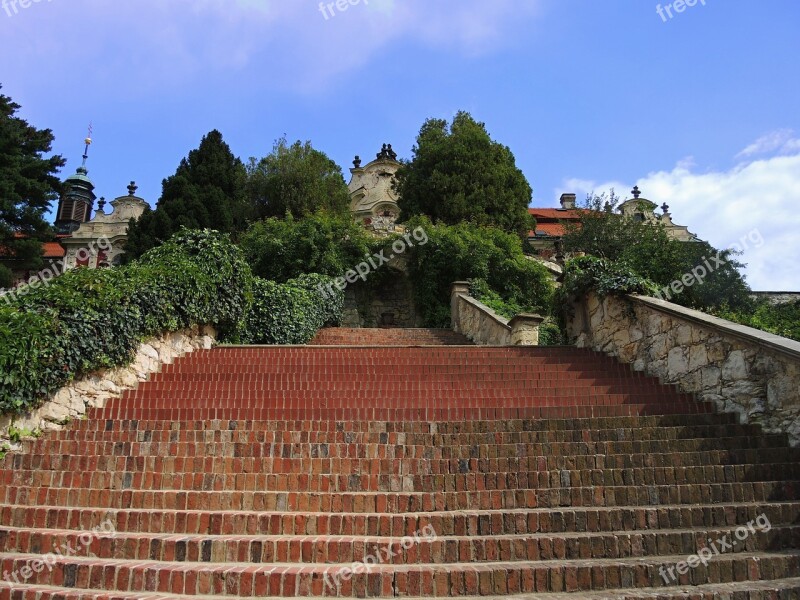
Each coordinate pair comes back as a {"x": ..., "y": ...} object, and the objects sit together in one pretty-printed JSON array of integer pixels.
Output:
[
  {"x": 282, "y": 249},
  {"x": 207, "y": 191},
  {"x": 646, "y": 249},
  {"x": 489, "y": 257},
  {"x": 458, "y": 173},
  {"x": 296, "y": 180},
  {"x": 28, "y": 184},
  {"x": 781, "y": 319}
]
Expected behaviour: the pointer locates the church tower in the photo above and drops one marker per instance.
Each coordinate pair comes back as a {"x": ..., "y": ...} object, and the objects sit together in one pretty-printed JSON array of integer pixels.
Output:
[{"x": 77, "y": 200}]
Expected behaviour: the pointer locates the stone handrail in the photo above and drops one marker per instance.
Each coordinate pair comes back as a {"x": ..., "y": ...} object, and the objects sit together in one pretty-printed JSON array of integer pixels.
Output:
[
  {"x": 484, "y": 326},
  {"x": 739, "y": 369}
]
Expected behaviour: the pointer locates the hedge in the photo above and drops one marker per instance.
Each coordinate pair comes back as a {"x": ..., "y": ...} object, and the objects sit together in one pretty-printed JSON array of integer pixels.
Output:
[
  {"x": 291, "y": 312},
  {"x": 589, "y": 273},
  {"x": 87, "y": 320}
]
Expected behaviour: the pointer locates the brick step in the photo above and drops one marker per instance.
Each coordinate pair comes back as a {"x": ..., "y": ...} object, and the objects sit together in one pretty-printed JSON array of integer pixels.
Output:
[
  {"x": 781, "y": 589},
  {"x": 403, "y": 502},
  {"x": 387, "y": 580},
  {"x": 295, "y": 429},
  {"x": 438, "y": 438},
  {"x": 311, "y": 388},
  {"x": 225, "y": 458},
  {"x": 329, "y": 446},
  {"x": 459, "y": 523},
  {"x": 232, "y": 474},
  {"x": 179, "y": 388},
  {"x": 451, "y": 398},
  {"x": 39, "y": 456},
  {"x": 568, "y": 351},
  {"x": 398, "y": 414},
  {"x": 441, "y": 400},
  {"x": 776, "y": 589},
  {"x": 145, "y": 479},
  {"x": 540, "y": 380},
  {"x": 524, "y": 368},
  {"x": 423, "y": 365},
  {"x": 430, "y": 548}
]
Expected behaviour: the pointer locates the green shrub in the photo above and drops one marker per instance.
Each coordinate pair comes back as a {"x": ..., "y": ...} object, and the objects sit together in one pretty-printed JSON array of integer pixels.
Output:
[
  {"x": 604, "y": 277},
  {"x": 781, "y": 319},
  {"x": 292, "y": 312},
  {"x": 282, "y": 249},
  {"x": 470, "y": 252},
  {"x": 551, "y": 333},
  {"x": 88, "y": 319},
  {"x": 330, "y": 298},
  {"x": 480, "y": 290}
]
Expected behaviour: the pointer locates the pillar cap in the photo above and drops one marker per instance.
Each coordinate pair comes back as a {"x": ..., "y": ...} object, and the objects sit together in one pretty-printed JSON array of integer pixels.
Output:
[{"x": 532, "y": 318}]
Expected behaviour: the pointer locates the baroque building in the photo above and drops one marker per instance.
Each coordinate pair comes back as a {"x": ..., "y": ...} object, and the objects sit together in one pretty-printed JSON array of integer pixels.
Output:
[
  {"x": 85, "y": 236},
  {"x": 98, "y": 240},
  {"x": 373, "y": 203},
  {"x": 373, "y": 200}
]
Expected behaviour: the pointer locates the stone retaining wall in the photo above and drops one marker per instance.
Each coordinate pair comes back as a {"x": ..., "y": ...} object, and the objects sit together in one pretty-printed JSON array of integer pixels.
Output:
[
  {"x": 73, "y": 400},
  {"x": 740, "y": 369},
  {"x": 485, "y": 327}
]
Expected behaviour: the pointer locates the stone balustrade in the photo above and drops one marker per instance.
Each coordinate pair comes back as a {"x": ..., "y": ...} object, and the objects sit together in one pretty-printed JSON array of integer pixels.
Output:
[
  {"x": 485, "y": 327},
  {"x": 740, "y": 369}
]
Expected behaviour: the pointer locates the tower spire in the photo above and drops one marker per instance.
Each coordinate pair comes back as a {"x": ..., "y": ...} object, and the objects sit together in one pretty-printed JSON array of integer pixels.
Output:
[{"x": 88, "y": 142}]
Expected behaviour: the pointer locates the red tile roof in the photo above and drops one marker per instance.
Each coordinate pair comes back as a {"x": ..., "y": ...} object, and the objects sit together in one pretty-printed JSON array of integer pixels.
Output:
[
  {"x": 558, "y": 214},
  {"x": 551, "y": 229},
  {"x": 53, "y": 250},
  {"x": 550, "y": 221}
]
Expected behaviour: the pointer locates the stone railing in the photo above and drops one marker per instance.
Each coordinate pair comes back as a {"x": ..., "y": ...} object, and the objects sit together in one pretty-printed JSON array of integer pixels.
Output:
[
  {"x": 73, "y": 400},
  {"x": 485, "y": 327},
  {"x": 739, "y": 369}
]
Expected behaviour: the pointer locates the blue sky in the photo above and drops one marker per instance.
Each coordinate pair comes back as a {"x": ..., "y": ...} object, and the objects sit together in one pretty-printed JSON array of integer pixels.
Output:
[{"x": 700, "y": 110}]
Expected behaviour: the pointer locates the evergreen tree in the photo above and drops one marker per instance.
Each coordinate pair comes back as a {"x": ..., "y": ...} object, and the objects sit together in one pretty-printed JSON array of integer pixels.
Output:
[
  {"x": 647, "y": 249},
  {"x": 206, "y": 191},
  {"x": 296, "y": 180},
  {"x": 28, "y": 184},
  {"x": 458, "y": 173}
]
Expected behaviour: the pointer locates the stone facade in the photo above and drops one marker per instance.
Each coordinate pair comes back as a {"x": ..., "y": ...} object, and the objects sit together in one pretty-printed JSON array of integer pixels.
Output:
[
  {"x": 103, "y": 237},
  {"x": 642, "y": 209},
  {"x": 72, "y": 401},
  {"x": 373, "y": 200},
  {"x": 777, "y": 298},
  {"x": 739, "y": 369}
]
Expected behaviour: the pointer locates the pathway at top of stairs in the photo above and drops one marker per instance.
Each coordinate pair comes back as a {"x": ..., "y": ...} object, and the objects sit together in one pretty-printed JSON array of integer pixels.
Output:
[{"x": 343, "y": 336}]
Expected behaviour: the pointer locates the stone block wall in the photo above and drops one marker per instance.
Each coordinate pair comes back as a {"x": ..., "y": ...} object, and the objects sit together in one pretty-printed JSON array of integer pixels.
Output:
[
  {"x": 739, "y": 369},
  {"x": 73, "y": 400}
]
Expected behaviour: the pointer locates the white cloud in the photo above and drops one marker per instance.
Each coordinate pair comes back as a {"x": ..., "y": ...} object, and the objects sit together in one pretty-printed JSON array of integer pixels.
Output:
[
  {"x": 752, "y": 201},
  {"x": 780, "y": 142},
  {"x": 158, "y": 45}
]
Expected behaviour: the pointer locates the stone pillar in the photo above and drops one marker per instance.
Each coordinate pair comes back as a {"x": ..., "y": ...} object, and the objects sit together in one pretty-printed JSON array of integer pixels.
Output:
[
  {"x": 456, "y": 289},
  {"x": 525, "y": 329}
]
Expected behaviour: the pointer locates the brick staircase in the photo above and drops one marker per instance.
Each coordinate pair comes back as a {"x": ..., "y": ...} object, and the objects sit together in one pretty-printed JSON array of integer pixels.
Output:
[{"x": 550, "y": 473}]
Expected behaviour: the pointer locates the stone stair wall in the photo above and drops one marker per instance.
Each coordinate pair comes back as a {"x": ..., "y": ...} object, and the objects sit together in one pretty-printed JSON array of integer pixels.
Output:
[{"x": 741, "y": 370}]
